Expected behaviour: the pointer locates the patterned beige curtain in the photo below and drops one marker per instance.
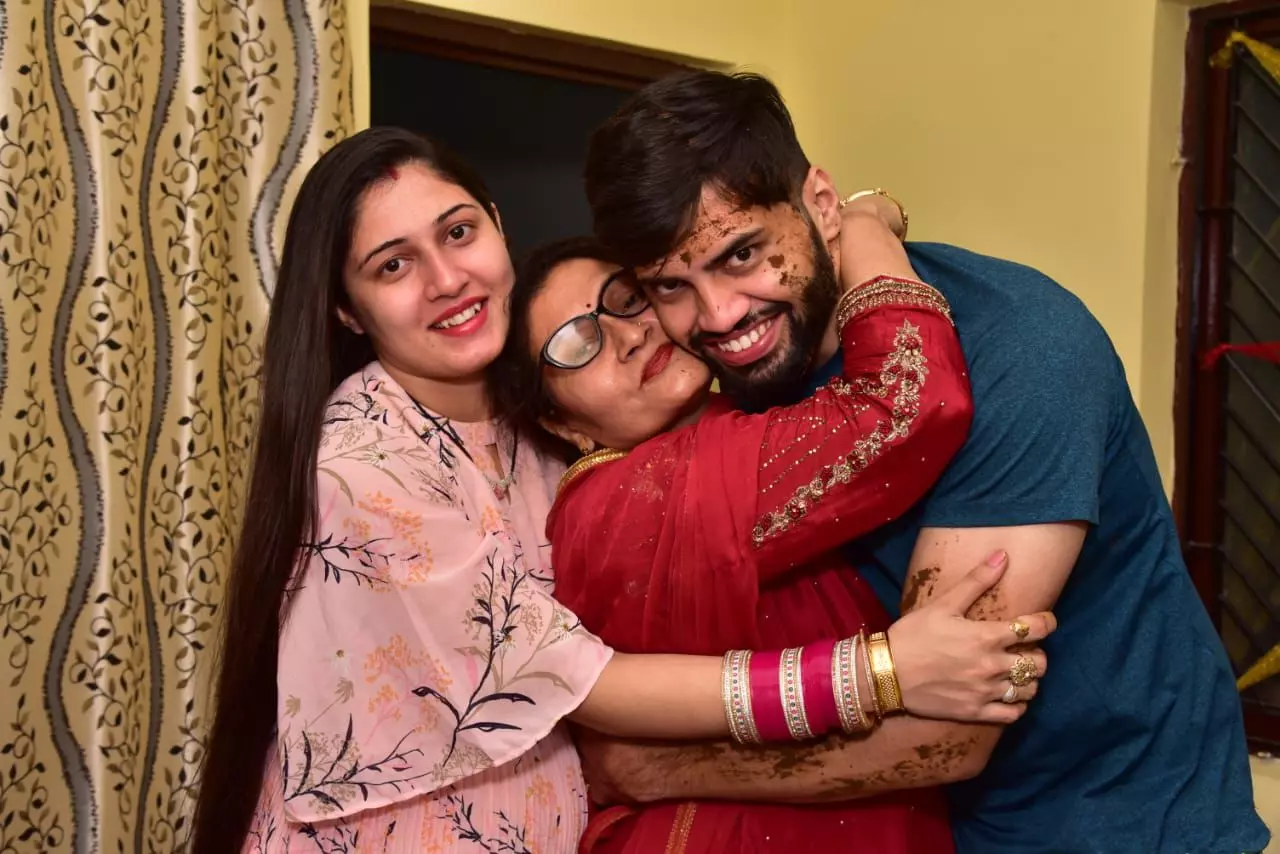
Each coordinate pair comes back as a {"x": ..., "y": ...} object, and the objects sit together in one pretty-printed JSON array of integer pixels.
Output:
[{"x": 149, "y": 152}]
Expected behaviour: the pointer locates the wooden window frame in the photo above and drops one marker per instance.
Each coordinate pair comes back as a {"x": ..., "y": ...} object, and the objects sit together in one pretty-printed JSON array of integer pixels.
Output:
[{"x": 1204, "y": 226}]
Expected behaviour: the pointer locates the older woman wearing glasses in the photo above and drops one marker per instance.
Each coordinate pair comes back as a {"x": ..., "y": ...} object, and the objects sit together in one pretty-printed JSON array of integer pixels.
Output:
[{"x": 687, "y": 527}]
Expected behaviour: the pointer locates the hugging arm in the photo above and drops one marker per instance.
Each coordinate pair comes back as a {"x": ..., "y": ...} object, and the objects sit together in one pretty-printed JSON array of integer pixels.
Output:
[
  {"x": 1036, "y": 504},
  {"x": 869, "y": 444},
  {"x": 904, "y": 752}
]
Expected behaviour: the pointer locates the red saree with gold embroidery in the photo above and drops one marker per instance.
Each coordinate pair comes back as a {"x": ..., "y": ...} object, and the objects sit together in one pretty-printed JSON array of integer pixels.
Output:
[{"x": 720, "y": 536}]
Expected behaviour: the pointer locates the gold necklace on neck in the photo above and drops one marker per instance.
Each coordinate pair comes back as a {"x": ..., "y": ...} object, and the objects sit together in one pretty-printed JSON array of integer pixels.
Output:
[{"x": 585, "y": 464}]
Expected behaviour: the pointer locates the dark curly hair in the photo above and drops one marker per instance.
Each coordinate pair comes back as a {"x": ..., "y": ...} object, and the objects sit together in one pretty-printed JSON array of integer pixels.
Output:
[{"x": 647, "y": 165}]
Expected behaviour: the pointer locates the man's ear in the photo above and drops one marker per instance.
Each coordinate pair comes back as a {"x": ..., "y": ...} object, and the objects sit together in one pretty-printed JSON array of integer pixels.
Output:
[
  {"x": 348, "y": 320},
  {"x": 823, "y": 203},
  {"x": 581, "y": 441}
]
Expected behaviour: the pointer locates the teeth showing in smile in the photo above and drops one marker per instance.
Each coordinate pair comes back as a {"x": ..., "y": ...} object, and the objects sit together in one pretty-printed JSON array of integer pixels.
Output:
[
  {"x": 745, "y": 340},
  {"x": 459, "y": 318}
]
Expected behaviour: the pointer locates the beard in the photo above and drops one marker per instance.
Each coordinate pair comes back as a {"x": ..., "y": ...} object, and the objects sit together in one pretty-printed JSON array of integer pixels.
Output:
[{"x": 779, "y": 378}]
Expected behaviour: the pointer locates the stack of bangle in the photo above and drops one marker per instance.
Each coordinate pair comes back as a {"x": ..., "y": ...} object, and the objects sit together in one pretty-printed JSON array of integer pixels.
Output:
[
  {"x": 804, "y": 692},
  {"x": 889, "y": 290}
]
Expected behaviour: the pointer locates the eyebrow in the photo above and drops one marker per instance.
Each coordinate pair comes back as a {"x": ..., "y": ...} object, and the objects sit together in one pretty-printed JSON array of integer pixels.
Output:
[
  {"x": 604, "y": 285},
  {"x": 380, "y": 248},
  {"x": 729, "y": 251},
  {"x": 396, "y": 241},
  {"x": 715, "y": 263},
  {"x": 608, "y": 280}
]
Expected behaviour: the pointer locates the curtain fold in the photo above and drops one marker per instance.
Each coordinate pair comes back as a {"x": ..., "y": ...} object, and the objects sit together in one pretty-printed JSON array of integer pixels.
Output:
[{"x": 149, "y": 152}]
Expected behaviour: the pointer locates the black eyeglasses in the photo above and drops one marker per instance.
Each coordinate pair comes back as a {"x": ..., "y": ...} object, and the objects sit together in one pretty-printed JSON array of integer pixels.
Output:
[{"x": 579, "y": 339}]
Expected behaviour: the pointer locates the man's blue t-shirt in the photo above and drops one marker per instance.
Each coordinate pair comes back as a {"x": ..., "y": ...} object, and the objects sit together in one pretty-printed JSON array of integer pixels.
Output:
[{"x": 1135, "y": 742}]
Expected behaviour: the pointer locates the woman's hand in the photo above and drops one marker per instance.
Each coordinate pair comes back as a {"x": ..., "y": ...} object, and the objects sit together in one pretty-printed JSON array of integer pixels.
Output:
[
  {"x": 879, "y": 206},
  {"x": 953, "y": 668},
  {"x": 869, "y": 246}
]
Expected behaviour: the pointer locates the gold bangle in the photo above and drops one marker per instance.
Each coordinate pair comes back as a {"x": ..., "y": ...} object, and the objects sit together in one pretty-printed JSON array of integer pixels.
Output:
[
  {"x": 886, "y": 681},
  {"x": 871, "y": 679},
  {"x": 879, "y": 191},
  {"x": 735, "y": 673},
  {"x": 864, "y": 721}
]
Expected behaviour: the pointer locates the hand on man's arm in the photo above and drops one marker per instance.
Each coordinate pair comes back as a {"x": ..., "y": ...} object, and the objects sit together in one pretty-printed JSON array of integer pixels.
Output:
[
  {"x": 903, "y": 752},
  {"x": 1040, "y": 561}
]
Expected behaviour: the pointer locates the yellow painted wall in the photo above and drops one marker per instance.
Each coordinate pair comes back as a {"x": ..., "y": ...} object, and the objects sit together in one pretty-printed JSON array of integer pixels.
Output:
[
  {"x": 1032, "y": 131},
  {"x": 1158, "y": 354},
  {"x": 1045, "y": 133}
]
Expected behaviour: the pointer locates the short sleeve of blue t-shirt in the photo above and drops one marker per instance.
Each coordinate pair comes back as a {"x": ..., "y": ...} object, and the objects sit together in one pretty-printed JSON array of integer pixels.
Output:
[{"x": 1044, "y": 378}]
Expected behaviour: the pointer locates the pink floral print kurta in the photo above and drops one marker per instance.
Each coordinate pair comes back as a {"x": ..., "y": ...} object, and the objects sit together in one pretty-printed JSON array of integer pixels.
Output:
[{"x": 423, "y": 664}]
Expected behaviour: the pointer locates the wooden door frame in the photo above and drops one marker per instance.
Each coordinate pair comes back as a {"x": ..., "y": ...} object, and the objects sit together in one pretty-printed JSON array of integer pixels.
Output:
[
  {"x": 1204, "y": 246},
  {"x": 523, "y": 49}
]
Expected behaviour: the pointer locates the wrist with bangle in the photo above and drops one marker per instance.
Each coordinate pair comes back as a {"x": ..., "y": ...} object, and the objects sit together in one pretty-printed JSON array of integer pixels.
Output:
[
  {"x": 801, "y": 693},
  {"x": 889, "y": 290},
  {"x": 878, "y": 191}
]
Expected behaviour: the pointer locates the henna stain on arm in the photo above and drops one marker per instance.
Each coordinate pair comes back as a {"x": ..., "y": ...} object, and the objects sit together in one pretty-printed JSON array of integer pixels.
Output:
[
  {"x": 684, "y": 770},
  {"x": 922, "y": 584},
  {"x": 935, "y": 764},
  {"x": 650, "y": 772},
  {"x": 989, "y": 606},
  {"x": 919, "y": 587},
  {"x": 789, "y": 761}
]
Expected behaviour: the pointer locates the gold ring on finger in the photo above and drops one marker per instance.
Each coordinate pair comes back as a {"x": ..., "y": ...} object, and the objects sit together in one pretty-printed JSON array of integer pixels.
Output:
[
  {"x": 1022, "y": 672},
  {"x": 1020, "y": 629},
  {"x": 1010, "y": 695}
]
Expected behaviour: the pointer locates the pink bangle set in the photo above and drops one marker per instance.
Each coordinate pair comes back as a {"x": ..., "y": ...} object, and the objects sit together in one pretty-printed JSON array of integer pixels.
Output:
[{"x": 796, "y": 694}]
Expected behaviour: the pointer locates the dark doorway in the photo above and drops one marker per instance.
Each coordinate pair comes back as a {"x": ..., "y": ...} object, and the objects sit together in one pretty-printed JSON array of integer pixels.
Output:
[
  {"x": 518, "y": 107},
  {"x": 525, "y": 134}
]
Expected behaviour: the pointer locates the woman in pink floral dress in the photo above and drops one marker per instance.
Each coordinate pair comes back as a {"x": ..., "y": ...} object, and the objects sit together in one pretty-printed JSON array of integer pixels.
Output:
[{"x": 397, "y": 684}]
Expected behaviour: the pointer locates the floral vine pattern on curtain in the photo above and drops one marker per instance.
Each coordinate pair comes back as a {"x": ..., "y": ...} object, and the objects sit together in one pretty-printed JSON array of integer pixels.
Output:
[{"x": 149, "y": 152}]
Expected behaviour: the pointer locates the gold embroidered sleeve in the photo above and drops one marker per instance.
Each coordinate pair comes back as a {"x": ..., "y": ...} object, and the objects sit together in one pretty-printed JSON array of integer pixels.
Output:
[
  {"x": 889, "y": 292},
  {"x": 870, "y": 443},
  {"x": 899, "y": 382}
]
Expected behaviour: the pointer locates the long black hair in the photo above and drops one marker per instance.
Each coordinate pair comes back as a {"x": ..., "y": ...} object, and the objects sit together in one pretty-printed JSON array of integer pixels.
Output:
[
  {"x": 518, "y": 395},
  {"x": 307, "y": 354}
]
